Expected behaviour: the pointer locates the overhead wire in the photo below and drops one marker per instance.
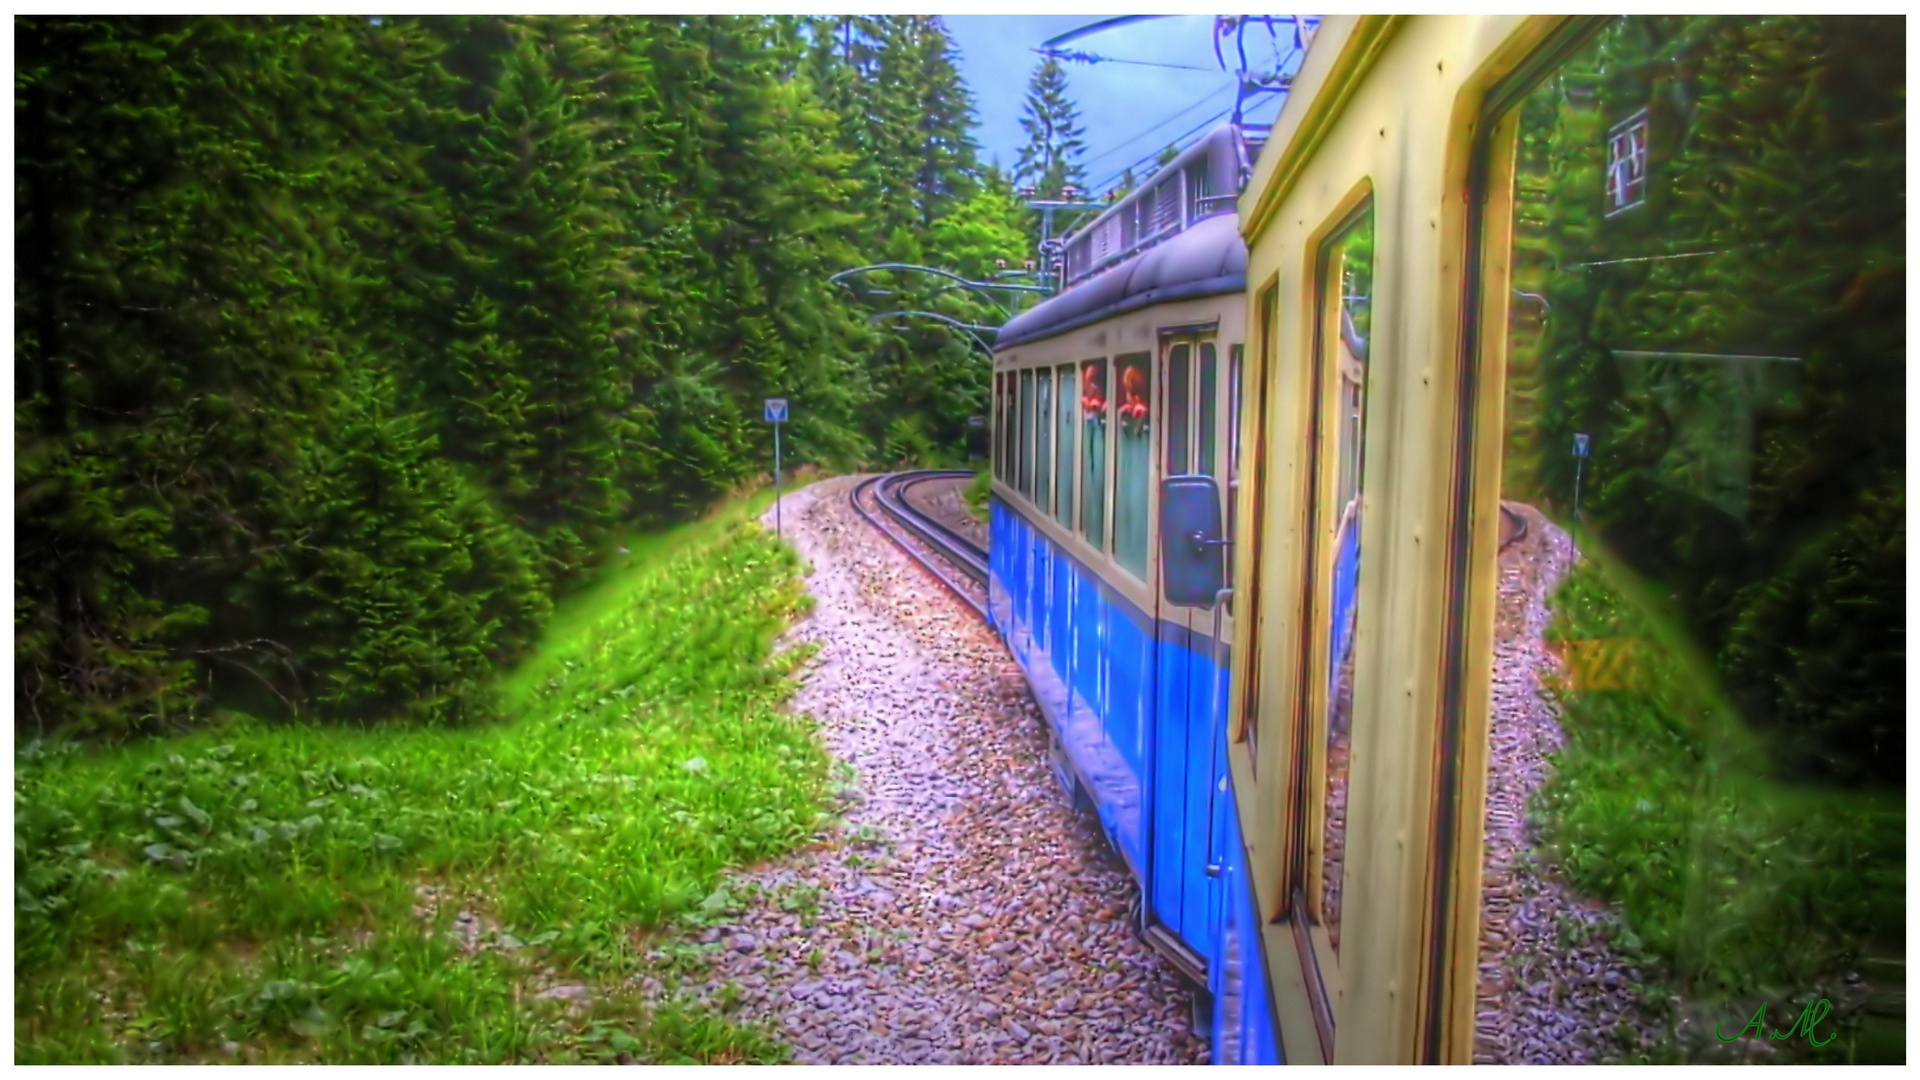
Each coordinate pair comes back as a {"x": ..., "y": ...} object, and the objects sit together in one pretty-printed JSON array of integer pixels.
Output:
[
  {"x": 1130, "y": 140},
  {"x": 1178, "y": 142}
]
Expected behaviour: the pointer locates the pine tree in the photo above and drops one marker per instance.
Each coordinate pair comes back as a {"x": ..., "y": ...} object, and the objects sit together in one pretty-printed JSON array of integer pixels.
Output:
[
  {"x": 342, "y": 345},
  {"x": 948, "y": 158},
  {"x": 1050, "y": 159}
]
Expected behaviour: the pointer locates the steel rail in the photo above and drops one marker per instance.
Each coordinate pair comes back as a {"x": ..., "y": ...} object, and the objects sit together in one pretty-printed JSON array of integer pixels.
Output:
[
  {"x": 908, "y": 517},
  {"x": 959, "y": 550}
]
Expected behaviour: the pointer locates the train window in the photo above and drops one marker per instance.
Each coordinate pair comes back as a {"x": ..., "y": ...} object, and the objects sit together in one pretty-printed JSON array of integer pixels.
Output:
[
  {"x": 1043, "y": 440},
  {"x": 1023, "y": 449},
  {"x": 1696, "y": 748},
  {"x": 1207, "y": 426},
  {"x": 1179, "y": 376},
  {"x": 1093, "y": 452},
  {"x": 1262, "y": 370},
  {"x": 1133, "y": 462},
  {"x": 999, "y": 426},
  {"x": 1067, "y": 403},
  {"x": 1235, "y": 355},
  {"x": 1346, "y": 293},
  {"x": 1007, "y": 427}
]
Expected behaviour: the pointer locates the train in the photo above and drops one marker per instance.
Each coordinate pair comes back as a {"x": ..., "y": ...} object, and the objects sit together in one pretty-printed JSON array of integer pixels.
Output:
[{"x": 1588, "y": 334}]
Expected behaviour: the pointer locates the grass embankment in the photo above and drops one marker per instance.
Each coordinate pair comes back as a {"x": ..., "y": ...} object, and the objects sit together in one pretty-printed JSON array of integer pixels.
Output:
[
  {"x": 978, "y": 492},
  {"x": 254, "y": 891},
  {"x": 1742, "y": 888}
]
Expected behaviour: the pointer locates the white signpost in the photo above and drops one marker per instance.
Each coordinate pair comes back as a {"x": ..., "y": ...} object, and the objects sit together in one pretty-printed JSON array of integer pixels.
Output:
[{"x": 776, "y": 414}]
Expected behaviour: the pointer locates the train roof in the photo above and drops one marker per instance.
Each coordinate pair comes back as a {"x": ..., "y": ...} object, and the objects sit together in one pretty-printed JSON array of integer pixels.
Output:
[
  {"x": 1206, "y": 259},
  {"x": 1175, "y": 237}
]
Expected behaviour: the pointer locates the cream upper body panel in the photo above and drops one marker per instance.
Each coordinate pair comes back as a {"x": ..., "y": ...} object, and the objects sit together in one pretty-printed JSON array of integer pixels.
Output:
[{"x": 1382, "y": 115}]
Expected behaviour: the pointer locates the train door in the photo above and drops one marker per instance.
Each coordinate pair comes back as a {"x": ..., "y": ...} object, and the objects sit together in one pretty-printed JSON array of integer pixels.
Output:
[{"x": 1191, "y": 685}]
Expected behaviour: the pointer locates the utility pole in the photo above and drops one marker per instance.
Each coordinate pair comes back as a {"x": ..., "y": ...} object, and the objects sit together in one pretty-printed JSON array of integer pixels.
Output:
[{"x": 1052, "y": 264}]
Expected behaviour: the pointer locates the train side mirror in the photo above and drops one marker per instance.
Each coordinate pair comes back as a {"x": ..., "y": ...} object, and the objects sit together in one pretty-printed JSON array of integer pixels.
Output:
[{"x": 1193, "y": 565}]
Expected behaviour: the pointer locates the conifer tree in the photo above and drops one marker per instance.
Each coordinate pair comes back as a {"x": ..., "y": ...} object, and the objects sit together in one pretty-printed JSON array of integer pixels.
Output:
[
  {"x": 1051, "y": 158},
  {"x": 341, "y": 345}
]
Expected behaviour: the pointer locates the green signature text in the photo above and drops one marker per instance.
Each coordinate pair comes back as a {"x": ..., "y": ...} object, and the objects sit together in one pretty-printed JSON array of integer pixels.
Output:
[{"x": 1809, "y": 1017}]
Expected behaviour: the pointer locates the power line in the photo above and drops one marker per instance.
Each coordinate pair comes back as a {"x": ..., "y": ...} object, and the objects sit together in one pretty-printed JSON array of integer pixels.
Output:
[
  {"x": 1129, "y": 141},
  {"x": 1096, "y": 58},
  {"x": 1194, "y": 130}
]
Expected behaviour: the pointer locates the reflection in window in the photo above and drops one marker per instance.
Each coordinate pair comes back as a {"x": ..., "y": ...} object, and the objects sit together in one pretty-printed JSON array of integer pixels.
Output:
[
  {"x": 1251, "y": 604},
  {"x": 1347, "y": 284},
  {"x": 1068, "y": 404},
  {"x": 1208, "y": 426},
  {"x": 1023, "y": 450},
  {"x": 1699, "y": 660},
  {"x": 1179, "y": 375},
  {"x": 1043, "y": 440},
  {"x": 1093, "y": 452},
  {"x": 1000, "y": 425},
  {"x": 1133, "y": 460},
  {"x": 1234, "y": 360}
]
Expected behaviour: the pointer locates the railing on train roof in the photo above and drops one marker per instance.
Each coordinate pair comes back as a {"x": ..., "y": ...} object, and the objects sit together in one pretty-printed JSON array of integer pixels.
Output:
[{"x": 1203, "y": 182}]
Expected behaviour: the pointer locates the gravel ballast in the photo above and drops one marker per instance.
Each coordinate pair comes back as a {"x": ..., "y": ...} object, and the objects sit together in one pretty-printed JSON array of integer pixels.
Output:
[
  {"x": 960, "y": 911},
  {"x": 1551, "y": 989}
]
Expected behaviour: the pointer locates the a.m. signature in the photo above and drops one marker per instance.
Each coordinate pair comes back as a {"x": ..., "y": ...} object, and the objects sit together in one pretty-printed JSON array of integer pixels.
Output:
[{"x": 1809, "y": 1016}]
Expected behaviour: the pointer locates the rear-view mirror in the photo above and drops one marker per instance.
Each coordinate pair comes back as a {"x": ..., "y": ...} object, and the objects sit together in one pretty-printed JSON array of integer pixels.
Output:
[{"x": 1193, "y": 565}]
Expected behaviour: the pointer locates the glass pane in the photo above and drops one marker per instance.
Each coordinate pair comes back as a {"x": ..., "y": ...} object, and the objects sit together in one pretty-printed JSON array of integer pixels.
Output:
[
  {"x": 1063, "y": 468},
  {"x": 1178, "y": 361},
  {"x": 1093, "y": 453},
  {"x": 1209, "y": 410},
  {"x": 999, "y": 425},
  {"x": 1696, "y": 781},
  {"x": 1023, "y": 450},
  {"x": 1341, "y": 380},
  {"x": 1134, "y": 461},
  {"x": 1234, "y": 365},
  {"x": 1252, "y": 604},
  {"x": 1043, "y": 440}
]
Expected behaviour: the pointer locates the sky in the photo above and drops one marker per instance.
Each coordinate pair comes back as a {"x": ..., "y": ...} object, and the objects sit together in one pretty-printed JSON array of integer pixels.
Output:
[{"x": 1128, "y": 111}]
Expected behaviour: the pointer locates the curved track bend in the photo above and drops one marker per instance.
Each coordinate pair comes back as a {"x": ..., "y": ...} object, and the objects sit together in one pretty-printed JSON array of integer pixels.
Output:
[{"x": 952, "y": 559}]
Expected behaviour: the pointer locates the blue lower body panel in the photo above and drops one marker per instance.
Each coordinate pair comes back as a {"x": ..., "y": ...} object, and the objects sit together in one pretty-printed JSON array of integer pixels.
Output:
[{"x": 1136, "y": 706}]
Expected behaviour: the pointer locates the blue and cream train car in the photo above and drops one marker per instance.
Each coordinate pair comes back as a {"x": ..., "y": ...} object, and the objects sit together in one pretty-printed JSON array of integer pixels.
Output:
[
  {"x": 1126, "y": 378},
  {"x": 1568, "y": 542}
]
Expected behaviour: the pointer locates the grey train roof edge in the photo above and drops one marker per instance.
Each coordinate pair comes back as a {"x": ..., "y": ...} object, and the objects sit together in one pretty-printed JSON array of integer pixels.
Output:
[{"x": 1207, "y": 259}]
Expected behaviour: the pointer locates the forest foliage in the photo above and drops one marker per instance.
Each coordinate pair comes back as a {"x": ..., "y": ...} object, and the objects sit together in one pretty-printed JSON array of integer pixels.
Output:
[
  {"x": 1731, "y": 352},
  {"x": 345, "y": 346}
]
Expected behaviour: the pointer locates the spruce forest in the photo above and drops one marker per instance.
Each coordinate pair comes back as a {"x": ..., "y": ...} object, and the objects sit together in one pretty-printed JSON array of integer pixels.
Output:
[{"x": 345, "y": 347}]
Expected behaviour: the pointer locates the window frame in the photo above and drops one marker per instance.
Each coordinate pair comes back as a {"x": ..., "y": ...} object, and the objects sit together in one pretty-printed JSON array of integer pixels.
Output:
[
  {"x": 1472, "y": 510},
  {"x": 1023, "y": 453},
  {"x": 1144, "y": 574},
  {"x": 1043, "y": 414},
  {"x": 1103, "y": 483},
  {"x": 1066, "y": 480}
]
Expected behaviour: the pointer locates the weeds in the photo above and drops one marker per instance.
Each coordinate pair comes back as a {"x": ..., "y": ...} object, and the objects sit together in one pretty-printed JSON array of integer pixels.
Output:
[
  {"x": 255, "y": 892},
  {"x": 978, "y": 492},
  {"x": 1737, "y": 884}
]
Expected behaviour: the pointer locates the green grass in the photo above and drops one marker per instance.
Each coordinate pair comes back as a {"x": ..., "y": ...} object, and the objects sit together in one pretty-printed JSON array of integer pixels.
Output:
[
  {"x": 1737, "y": 886},
  {"x": 256, "y": 885},
  {"x": 978, "y": 491}
]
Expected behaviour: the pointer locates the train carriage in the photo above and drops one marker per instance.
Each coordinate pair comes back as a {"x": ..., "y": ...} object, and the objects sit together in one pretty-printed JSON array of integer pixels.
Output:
[
  {"x": 1545, "y": 387},
  {"x": 1127, "y": 377}
]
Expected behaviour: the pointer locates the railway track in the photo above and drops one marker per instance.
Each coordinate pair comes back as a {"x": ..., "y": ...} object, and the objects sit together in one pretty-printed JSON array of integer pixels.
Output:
[{"x": 953, "y": 560}]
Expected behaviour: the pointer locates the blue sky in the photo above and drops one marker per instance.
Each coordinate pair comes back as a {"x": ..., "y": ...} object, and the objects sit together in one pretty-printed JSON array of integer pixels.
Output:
[{"x": 1129, "y": 111}]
